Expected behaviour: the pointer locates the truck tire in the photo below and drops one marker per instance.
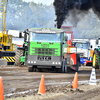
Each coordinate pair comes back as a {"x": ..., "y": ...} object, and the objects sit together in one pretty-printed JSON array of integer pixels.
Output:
[
  {"x": 19, "y": 53},
  {"x": 95, "y": 60},
  {"x": 30, "y": 69}
]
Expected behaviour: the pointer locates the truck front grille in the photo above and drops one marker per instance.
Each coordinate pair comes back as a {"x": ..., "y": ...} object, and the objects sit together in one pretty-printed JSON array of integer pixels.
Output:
[{"x": 45, "y": 51}]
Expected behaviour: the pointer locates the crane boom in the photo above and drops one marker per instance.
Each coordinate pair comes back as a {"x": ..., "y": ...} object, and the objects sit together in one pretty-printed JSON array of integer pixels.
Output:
[{"x": 3, "y": 5}]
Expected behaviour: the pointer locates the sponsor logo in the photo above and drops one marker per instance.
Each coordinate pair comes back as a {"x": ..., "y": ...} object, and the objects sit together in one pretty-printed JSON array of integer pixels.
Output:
[
  {"x": 44, "y": 45},
  {"x": 44, "y": 58}
]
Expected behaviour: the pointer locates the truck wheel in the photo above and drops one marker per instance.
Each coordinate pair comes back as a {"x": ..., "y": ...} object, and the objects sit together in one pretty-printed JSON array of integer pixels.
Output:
[
  {"x": 19, "y": 53},
  {"x": 30, "y": 69},
  {"x": 95, "y": 60}
]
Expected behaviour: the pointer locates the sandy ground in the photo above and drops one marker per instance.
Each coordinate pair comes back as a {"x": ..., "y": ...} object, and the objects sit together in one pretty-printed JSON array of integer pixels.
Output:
[{"x": 18, "y": 82}]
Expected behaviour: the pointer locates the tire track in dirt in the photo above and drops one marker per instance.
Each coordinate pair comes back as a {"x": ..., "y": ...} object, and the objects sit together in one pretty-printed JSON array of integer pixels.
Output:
[{"x": 83, "y": 96}]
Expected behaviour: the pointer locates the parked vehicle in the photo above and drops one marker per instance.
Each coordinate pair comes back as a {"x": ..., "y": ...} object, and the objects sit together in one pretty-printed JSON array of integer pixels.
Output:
[{"x": 83, "y": 47}]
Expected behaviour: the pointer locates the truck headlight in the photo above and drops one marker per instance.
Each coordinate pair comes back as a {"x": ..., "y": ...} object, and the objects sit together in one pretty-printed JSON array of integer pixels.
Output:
[
  {"x": 52, "y": 62},
  {"x": 34, "y": 61},
  {"x": 59, "y": 62},
  {"x": 31, "y": 61},
  {"x": 28, "y": 61},
  {"x": 56, "y": 63}
]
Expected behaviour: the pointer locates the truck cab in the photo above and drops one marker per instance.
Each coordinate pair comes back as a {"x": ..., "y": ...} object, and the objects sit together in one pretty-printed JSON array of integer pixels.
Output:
[
  {"x": 84, "y": 49},
  {"x": 44, "y": 48}
]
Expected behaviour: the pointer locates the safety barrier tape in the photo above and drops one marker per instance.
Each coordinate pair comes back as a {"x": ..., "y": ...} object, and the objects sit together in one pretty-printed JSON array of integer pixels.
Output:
[{"x": 10, "y": 59}]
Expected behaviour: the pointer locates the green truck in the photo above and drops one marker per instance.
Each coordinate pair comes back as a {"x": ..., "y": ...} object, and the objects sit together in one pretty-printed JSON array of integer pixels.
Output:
[{"x": 43, "y": 47}]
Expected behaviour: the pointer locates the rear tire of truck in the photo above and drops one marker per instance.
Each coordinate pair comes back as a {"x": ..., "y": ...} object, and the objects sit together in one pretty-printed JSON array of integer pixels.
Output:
[
  {"x": 30, "y": 69},
  {"x": 19, "y": 53},
  {"x": 95, "y": 60}
]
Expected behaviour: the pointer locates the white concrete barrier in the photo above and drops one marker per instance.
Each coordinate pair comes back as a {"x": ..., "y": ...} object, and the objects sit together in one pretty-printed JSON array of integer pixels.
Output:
[{"x": 3, "y": 62}]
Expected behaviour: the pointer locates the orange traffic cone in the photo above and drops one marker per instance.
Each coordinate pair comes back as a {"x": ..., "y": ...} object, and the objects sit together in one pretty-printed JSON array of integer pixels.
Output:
[
  {"x": 1, "y": 89},
  {"x": 42, "y": 86},
  {"x": 75, "y": 81}
]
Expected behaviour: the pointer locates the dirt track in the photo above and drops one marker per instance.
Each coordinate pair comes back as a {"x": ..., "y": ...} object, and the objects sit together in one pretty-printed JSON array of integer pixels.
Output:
[{"x": 18, "y": 82}]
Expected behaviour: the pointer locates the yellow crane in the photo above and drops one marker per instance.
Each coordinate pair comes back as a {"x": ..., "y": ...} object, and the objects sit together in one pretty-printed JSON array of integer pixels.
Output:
[{"x": 7, "y": 49}]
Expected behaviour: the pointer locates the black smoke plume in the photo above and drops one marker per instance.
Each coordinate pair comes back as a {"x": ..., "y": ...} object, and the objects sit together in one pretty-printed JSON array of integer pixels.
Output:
[{"x": 64, "y": 7}]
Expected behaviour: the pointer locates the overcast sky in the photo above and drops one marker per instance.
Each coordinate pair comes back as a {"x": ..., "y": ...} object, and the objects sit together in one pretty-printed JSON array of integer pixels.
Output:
[{"x": 47, "y": 2}]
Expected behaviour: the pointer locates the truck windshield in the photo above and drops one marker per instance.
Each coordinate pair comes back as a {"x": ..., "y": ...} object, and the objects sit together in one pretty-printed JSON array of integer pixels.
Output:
[
  {"x": 45, "y": 37},
  {"x": 82, "y": 45}
]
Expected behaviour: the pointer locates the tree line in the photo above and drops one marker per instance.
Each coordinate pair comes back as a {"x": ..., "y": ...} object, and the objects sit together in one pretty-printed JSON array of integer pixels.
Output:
[{"x": 22, "y": 15}]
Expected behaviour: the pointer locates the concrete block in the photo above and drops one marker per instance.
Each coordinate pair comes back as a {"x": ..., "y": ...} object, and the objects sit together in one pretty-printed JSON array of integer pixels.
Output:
[{"x": 3, "y": 62}]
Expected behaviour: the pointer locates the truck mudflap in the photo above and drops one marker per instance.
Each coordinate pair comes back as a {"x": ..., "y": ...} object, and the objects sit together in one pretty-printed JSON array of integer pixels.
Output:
[
  {"x": 73, "y": 60},
  {"x": 74, "y": 68}
]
